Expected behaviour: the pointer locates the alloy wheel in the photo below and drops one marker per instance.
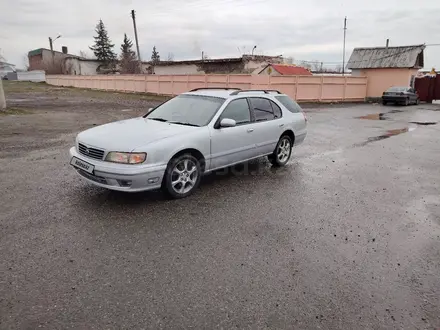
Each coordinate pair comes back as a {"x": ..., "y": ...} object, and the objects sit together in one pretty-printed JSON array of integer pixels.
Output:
[
  {"x": 184, "y": 176},
  {"x": 284, "y": 150}
]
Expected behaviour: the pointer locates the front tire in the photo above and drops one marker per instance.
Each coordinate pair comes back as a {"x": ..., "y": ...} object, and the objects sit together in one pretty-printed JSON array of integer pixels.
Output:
[
  {"x": 182, "y": 176},
  {"x": 384, "y": 102},
  {"x": 282, "y": 152},
  {"x": 417, "y": 101},
  {"x": 406, "y": 101}
]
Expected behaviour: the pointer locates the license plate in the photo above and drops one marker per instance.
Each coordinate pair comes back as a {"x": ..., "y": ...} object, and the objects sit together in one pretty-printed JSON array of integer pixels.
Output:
[{"x": 78, "y": 163}]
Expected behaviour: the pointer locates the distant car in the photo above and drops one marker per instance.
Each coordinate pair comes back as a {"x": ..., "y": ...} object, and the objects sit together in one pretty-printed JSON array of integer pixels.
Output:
[
  {"x": 190, "y": 135},
  {"x": 402, "y": 95}
]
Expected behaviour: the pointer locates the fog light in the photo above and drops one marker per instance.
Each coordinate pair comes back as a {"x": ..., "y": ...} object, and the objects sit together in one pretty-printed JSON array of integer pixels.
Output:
[
  {"x": 153, "y": 180},
  {"x": 125, "y": 183}
]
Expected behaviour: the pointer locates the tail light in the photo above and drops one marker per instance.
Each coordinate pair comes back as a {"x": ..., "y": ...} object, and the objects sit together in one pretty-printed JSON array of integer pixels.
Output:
[{"x": 305, "y": 117}]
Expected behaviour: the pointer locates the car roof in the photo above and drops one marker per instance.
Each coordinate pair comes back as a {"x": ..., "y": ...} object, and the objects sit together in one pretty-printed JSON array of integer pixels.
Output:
[{"x": 228, "y": 93}]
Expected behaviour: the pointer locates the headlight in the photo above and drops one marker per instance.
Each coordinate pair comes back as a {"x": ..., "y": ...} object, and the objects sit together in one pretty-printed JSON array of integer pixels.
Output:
[{"x": 126, "y": 157}]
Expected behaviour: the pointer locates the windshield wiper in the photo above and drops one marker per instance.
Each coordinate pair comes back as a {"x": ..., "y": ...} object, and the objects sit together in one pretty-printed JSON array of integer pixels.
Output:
[
  {"x": 158, "y": 119},
  {"x": 180, "y": 123}
]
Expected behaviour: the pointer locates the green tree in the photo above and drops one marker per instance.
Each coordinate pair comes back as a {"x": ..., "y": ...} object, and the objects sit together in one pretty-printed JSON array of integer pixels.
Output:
[
  {"x": 128, "y": 61},
  {"x": 155, "y": 57},
  {"x": 103, "y": 48}
]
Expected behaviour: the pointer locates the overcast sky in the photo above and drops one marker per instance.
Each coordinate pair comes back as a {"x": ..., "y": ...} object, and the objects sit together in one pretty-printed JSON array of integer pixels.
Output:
[{"x": 304, "y": 30}]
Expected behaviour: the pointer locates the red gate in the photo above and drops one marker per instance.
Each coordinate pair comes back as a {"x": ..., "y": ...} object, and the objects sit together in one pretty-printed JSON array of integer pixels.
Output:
[{"x": 428, "y": 88}]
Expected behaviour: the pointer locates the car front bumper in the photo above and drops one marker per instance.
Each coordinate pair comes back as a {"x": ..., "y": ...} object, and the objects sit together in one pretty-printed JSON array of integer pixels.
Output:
[
  {"x": 121, "y": 177},
  {"x": 394, "y": 98}
]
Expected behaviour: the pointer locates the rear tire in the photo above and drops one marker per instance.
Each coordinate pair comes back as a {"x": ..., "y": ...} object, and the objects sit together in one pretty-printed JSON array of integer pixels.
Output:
[
  {"x": 417, "y": 101},
  {"x": 282, "y": 152},
  {"x": 182, "y": 176},
  {"x": 406, "y": 101}
]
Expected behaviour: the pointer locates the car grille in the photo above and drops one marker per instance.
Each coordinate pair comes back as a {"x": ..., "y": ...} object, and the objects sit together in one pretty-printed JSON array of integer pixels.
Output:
[
  {"x": 92, "y": 177},
  {"x": 90, "y": 152}
]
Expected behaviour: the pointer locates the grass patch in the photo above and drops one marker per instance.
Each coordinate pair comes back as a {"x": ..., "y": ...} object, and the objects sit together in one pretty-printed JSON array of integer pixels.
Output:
[
  {"x": 24, "y": 86},
  {"x": 14, "y": 111}
]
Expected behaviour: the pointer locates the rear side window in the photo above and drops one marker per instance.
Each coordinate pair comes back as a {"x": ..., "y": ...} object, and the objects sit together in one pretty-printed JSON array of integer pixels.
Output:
[
  {"x": 262, "y": 109},
  {"x": 290, "y": 104},
  {"x": 237, "y": 110},
  {"x": 276, "y": 110}
]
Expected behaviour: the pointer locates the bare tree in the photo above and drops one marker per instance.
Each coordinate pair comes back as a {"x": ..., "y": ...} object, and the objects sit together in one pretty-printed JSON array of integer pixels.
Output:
[
  {"x": 170, "y": 57},
  {"x": 83, "y": 54},
  {"x": 316, "y": 66},
  {"x": 54, "y": 66},
  {"x": 26, "y": 62},
  {"x": 288, "y": 60},
  {"x": 306, "y": 65}
]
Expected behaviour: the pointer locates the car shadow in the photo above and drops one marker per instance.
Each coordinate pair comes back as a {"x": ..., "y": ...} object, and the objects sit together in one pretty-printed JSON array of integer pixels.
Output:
[{"x": 230, "y": 177}]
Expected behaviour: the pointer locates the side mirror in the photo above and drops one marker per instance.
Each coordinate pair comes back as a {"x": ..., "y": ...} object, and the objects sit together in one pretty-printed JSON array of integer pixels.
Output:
[{"x": 227, "y": 122}]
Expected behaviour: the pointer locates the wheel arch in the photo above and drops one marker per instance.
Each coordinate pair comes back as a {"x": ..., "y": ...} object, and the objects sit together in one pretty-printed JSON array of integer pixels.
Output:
[
  {"x": 194, "y": 152},
  {"x": 290, "y": 134}
]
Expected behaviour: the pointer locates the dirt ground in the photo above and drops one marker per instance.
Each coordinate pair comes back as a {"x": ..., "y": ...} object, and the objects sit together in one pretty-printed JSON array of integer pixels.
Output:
[{"x": 53, "y": 112}]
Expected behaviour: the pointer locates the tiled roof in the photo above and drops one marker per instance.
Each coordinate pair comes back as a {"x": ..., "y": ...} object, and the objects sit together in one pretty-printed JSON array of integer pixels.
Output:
[{"x": 291, "y": 70}]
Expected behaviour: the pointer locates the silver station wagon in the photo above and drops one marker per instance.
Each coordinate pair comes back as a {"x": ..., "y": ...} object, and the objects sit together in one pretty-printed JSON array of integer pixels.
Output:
[{"x": 194, "y": 133}]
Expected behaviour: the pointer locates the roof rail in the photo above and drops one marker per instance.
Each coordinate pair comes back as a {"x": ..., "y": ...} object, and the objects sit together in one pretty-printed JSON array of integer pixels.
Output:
[
  {"x": 210, "y": 88},
  {"x": 265, "y": 91}
]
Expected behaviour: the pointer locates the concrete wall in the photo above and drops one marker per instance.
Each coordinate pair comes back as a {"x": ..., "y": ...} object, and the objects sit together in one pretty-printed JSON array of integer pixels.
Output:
[
  {"x": 381, "y": 79},
  {"x": 302, "y": 88},
  {"x": 76, "y": 66},
  {"x": 35, "y": 76},
  {"x": 176, "y": 69}
]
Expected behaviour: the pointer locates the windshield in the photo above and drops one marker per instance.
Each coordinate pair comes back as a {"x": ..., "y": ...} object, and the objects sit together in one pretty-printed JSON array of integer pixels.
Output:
[
  {"x": 397, "y": 89},
  {"x": 194, "y": 110}
]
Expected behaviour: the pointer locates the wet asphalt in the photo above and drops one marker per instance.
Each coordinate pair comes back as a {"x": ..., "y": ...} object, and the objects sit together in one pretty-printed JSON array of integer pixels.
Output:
[{"x": 347, "y": 236}]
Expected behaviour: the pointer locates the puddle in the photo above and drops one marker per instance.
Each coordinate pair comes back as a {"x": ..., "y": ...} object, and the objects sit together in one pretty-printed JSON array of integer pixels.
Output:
[
  {"x": 374, "y": 116},
  {"x": 424, "y": 123},
  {"x": 388, "y": 134},
  {"x": 395, "y": 111}
]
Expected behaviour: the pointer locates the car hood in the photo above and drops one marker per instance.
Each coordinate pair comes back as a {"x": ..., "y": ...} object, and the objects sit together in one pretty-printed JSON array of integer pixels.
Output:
[{"x": 126, "y": 135}]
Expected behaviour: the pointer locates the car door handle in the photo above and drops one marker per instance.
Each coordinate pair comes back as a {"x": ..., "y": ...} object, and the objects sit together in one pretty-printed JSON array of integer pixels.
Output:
[
  {"x": 250, "y": 130},
  {"x": 281, "y": 125}
]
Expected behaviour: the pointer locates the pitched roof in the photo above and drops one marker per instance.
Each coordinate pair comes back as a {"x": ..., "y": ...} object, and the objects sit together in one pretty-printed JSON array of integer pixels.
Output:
[
  {"x": 290, "y": 70},
  {"x": 387, "y": 57},
  {"x": 6, "y": 64}
]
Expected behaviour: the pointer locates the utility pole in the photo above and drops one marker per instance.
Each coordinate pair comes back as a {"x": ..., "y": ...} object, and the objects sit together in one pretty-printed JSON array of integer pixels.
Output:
[
  {"x": 133, "y": 16},
  {"x": 2, "y": 96},
  {"x": 343, "y": 48},
  {"x": 51, "y": 46},
  {"x": 51, "y": 49}
]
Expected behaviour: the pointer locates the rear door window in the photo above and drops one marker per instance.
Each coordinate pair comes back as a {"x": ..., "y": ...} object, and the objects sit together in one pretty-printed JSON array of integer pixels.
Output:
[
  {"x": 262, "y": 109},
  {"x": 276, "y": 110},
  {"x": 290, "y": 104}
]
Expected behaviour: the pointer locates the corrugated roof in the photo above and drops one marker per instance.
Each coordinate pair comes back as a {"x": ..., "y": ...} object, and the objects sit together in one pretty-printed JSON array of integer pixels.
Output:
[
  {"x": 387, "y": 57},
  {"x": 291, "y": 70}
]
